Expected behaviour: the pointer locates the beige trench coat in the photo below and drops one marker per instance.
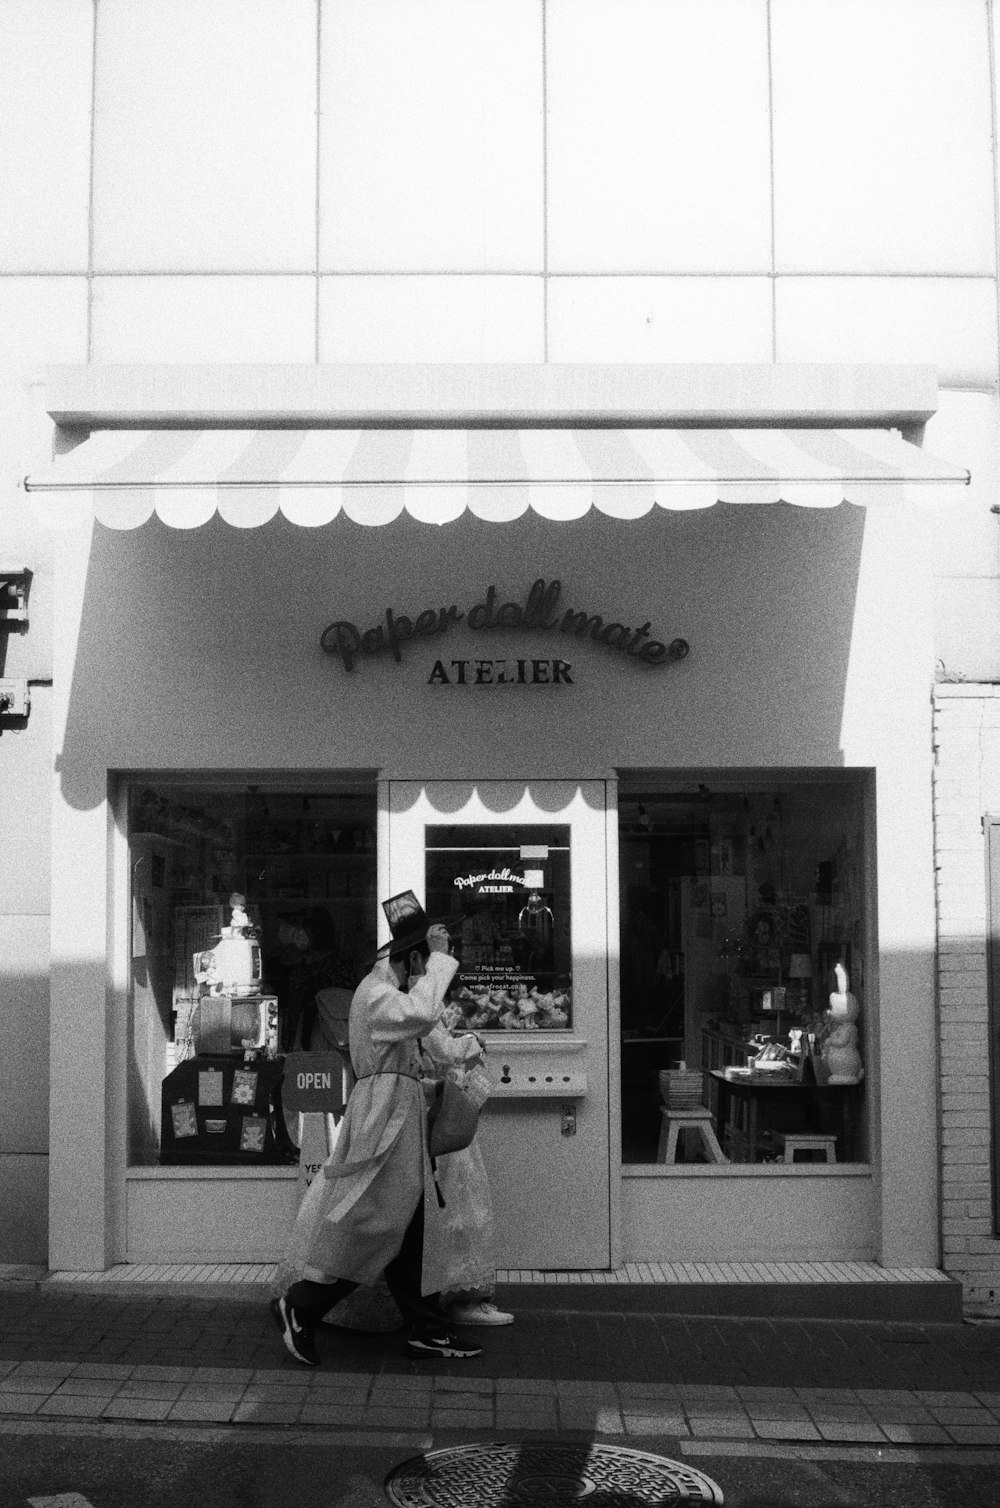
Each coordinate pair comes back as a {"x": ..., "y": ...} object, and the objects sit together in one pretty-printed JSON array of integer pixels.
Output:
[{"x": 355, "y": 1213}]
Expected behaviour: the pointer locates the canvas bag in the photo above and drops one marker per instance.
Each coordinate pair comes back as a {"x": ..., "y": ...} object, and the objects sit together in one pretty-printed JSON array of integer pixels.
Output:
[{"x": 452, "y": 1119}]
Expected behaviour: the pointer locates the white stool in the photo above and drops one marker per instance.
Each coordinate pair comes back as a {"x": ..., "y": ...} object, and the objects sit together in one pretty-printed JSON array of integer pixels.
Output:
[
  {"x": 673, "y": 1122},
  {"x": 795, "y": 1142}
]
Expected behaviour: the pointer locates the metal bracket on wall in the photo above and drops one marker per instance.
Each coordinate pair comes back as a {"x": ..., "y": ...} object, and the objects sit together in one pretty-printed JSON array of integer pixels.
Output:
[
  {"x": 15, "y": 699},
  {"x": 14, "y": 584}
]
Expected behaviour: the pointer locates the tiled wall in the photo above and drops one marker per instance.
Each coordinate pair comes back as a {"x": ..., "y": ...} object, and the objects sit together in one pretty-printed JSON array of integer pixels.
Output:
[
  {"x": 966, "y": 787},
  {"x": 503, "y": 180},
  {"x": 489, "y": 179}
]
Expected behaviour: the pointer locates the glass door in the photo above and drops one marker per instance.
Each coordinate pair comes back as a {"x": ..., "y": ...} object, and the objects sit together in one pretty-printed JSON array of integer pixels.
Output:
[{"x": 525, "y": 865}]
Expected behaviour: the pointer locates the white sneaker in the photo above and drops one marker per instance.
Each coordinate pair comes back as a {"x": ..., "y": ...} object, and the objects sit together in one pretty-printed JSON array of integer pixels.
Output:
[{"x": 479, "y": 1314}]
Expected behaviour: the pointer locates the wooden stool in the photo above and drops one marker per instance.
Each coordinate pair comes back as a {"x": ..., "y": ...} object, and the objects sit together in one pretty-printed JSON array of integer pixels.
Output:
[
  {"x": 807, "y": 1142},
  {"x": 673, "y": 1122}
]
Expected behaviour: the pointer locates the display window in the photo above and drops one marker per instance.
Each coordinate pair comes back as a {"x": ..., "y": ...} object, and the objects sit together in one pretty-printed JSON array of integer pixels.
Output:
[
  {"x": 507, "y": 888},
  {"x": 250, "y": 908},
  {"x": 744, "y": 969}
]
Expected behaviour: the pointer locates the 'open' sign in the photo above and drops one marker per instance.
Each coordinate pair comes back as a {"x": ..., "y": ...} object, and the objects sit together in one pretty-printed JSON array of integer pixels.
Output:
[{"x": 314, "y": 1081}]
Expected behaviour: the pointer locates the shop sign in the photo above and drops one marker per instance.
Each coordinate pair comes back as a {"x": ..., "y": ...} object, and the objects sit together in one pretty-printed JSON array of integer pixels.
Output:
[
  {"x": 313, "y": 1081},
  {"x": 540, "y": 612}
]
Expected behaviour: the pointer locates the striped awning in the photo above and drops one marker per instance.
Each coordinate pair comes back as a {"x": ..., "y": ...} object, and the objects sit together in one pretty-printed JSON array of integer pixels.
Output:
[{"x": 374, "y": 475}]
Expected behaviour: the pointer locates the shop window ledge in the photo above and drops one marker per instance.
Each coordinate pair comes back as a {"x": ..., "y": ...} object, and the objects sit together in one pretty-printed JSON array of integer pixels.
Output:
[
  {"x": 272, "y": 1171},
  {"x": 748, "y": 1170}
]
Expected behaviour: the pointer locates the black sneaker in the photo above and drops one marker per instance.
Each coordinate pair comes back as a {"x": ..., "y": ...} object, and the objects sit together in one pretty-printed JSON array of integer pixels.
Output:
[
  {"x": 298, "y": 1337},
  {"x": 440, "y": 1343}
]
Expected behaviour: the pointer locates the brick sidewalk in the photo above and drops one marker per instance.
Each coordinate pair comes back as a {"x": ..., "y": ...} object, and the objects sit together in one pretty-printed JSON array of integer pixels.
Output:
[{"x": 185, "y": 1358}]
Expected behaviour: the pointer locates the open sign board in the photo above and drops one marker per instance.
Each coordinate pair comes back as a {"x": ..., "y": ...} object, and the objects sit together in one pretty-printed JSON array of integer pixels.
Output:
[{"x": 314, "y": 1081}]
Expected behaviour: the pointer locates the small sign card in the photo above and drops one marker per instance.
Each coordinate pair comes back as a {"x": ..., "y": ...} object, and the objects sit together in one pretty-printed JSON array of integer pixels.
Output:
[
  {"x": 244, "y": 1086},
  {"x": 252, "y": 1135},
  {"x": 185, "y": 1120},
  {"x": 210, "y": 1086}
]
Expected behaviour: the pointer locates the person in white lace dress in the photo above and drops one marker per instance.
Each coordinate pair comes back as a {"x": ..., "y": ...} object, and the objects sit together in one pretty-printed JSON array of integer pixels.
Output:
[{"x": 467, "y": 1256}]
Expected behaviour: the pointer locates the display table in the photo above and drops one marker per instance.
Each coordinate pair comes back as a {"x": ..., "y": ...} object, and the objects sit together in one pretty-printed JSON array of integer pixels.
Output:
[{"x": 753, "y": 1113}]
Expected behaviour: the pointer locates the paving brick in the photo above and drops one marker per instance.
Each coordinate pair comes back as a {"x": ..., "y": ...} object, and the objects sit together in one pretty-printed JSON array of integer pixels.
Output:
[
  {"x": 356, "y": 1383},
  {"x": 76, "y": 1406},
  {"x": 931, "y": 1399},
  {"x": 970, "y": 1416},
  {"x": 136, "y": 1408},
  {"x": 785, "y": 1429},
  {"x": 916, "y": 1434},
  {"x": 463, "y": 1384},
  {"x": 457, "y": 1419},
  {"x": 400, "y": 1380},
  {"x": 902, "y": 1413},
  {"x": 834, "y": 1413},
  {"x": 271, "y": 1394},
  {"x": 111, "y": 1371},
  {"x": 255, "y": 1411},
  {"x": 44, "y": 1369},
  {"x": 972, "y": 1434},
  {"x": 857, "y": 1431},
  {"x": 510, "y": 1413},
  {"x": 411, "y": 1416},
  {"x": 87, "y": 1387},
  {"x": 21, "y": 1403},
  {"x": 203, "y": 1410},
  {"x": 210, "y": 1392},
  {"x": 138, "y": 1387},
  {"x": 43, "y": 1386},
  {"x": 458, "y": 1400},
  {"x": 721, "y": 1427},
  {"x": 162, "y": 1374},
  {"x": 331, "y": 1415},
  {"x": 655, "y": 1423},
  {"x": 602, "y": 1419}
]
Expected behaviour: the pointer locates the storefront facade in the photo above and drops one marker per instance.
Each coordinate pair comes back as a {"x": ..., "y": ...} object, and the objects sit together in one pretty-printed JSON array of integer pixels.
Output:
[{"x": 673, "y": 760}]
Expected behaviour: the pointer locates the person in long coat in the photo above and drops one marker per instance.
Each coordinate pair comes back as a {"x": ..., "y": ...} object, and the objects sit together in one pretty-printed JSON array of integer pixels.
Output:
[{"x": 369, "y": 1208}]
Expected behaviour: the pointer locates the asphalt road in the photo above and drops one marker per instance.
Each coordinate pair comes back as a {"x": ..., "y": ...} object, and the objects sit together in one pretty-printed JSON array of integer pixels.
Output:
[{"x": 110, "y": 1466}]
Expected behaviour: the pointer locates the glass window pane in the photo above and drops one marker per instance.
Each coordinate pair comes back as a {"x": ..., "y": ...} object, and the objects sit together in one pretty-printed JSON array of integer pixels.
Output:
[
  {"x": 511, "y": 884},
  {"x": 743, "y": 970},
  {"x": 245, "y": 905}
]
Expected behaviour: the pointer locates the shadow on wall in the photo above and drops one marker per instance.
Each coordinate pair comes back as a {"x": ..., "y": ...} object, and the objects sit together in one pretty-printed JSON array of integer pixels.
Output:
[{"x": 201, "y": 649}]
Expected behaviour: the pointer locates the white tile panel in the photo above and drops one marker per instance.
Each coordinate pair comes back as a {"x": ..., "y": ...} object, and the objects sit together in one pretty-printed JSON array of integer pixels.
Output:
[
  {"x": 882, "y": 136},
  {"x": 658, "y": 150},
  {"x": 432, "y": 132},
  {"x": 205, "y": 135},
  {"x": 447, "y": 318},
  {"x": 192, "y": 319},
  {"x": 45, "y": 89},
  {"x": 967, "y": 643},
  {"x": 967, "y": 539},
  {"x": 699, "y": 319},
  {"x": 42, "y": 319},
  {"x": 947, "y": 322}
]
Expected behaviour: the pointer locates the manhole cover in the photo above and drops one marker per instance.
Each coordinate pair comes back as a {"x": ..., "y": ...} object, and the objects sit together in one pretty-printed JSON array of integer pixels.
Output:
[{"x": 518, "y": 1476}]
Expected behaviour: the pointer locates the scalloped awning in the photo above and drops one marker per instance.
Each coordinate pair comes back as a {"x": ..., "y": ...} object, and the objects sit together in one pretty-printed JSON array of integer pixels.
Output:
[{"x": 373, "y": 475}]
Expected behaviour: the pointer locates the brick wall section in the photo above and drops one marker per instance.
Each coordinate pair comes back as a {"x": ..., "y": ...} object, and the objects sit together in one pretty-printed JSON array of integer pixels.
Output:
[{"x": 966, "y": 787}]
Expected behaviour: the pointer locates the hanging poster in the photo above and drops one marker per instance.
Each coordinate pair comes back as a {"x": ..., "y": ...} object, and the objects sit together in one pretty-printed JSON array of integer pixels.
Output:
[{"x": 511, "y": 883}]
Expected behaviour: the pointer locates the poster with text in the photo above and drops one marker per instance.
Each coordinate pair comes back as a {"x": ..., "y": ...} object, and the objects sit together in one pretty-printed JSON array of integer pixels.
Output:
[{"x": 511, "y": 885}]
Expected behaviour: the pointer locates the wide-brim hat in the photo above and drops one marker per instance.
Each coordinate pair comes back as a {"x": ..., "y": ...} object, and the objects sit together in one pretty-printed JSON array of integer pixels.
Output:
[{"x": 408, "y": 923}]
